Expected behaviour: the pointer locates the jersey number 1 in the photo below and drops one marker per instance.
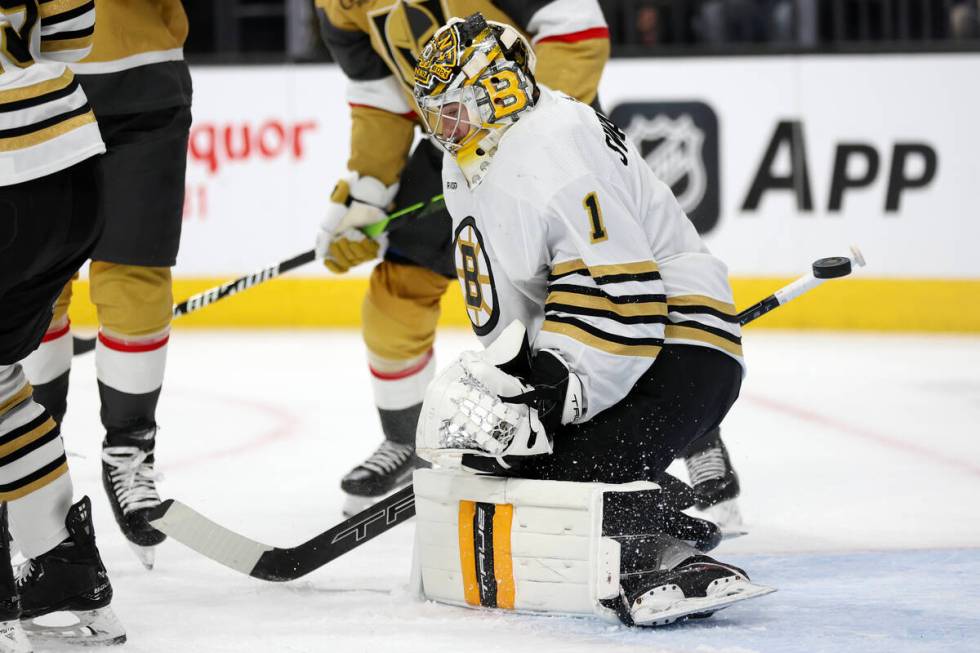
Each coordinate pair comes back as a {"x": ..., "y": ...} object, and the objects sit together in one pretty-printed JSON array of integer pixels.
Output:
[{"x": 598, "y": 231}]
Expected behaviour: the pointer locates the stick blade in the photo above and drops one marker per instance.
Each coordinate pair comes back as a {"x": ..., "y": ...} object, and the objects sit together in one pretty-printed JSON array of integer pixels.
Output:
[{"x": 194, "y": 530}]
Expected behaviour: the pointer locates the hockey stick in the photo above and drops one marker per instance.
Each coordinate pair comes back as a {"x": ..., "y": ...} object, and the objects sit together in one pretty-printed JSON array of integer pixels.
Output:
[
  {"x": 267, "y": 562},
  {"x": 229, "y": 288}
]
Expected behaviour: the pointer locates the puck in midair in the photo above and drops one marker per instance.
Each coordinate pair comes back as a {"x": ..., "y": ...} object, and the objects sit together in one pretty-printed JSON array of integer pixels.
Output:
[{"x": 832, "y": 267}]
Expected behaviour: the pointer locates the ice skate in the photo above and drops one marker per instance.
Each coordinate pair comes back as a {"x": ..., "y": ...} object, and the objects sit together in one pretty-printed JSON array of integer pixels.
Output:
[
  {"x": 70, "y": 579},
  {"x": 386, "y": 470},
  {"x": 697, "y": 588},
  {"x": 716, "y": 485},
  {"x": 12, "y": 636},
  {"x": 130, "y": 483}
]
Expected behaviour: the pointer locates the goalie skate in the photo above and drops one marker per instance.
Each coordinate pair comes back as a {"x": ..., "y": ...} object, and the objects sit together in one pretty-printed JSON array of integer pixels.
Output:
[{"x": 696, "y": 589}]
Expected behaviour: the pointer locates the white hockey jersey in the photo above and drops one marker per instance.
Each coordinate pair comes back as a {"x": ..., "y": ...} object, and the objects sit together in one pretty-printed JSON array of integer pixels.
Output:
[
  {"x": 572, "y": 234},
  {"x": 46, "y": 124}
]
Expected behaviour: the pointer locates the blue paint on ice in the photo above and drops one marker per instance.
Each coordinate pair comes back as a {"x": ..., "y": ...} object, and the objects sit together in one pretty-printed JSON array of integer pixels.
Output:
[{"x": 892, "y": 602}]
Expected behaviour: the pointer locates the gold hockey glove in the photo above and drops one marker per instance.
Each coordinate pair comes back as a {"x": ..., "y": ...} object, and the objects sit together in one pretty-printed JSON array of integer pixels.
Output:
[{"x": 354, "y": 203}]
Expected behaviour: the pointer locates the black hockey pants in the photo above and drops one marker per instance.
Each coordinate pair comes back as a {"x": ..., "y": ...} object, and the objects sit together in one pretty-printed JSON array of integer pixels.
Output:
[{"x": 686, "y": 392}]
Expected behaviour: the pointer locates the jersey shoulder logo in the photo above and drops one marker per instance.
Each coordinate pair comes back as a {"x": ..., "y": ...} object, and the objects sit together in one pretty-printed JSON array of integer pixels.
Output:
[
  {"x": 402, "y": 29},
  {"x": 615, "y": 138},
  {"x": 475, "y": 277}
]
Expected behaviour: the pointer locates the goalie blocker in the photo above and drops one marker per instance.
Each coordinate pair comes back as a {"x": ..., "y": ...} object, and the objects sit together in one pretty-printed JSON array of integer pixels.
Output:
[{"x": 557, "y": 547}]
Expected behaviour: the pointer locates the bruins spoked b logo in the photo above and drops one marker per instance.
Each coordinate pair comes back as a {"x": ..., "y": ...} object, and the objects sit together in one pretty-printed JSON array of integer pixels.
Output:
[{"x": 475, "y": 278}]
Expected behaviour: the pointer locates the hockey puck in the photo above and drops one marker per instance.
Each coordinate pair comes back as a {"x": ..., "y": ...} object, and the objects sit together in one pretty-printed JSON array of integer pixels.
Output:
[{"x": 832, "y": 267}]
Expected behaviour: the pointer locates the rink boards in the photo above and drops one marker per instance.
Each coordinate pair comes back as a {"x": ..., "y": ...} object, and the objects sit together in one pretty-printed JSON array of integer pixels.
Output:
[{"x": 778, "y": 160}]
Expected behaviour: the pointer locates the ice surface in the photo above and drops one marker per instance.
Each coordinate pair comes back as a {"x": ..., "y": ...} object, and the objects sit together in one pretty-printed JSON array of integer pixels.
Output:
[{"x": 860, "y": 466}]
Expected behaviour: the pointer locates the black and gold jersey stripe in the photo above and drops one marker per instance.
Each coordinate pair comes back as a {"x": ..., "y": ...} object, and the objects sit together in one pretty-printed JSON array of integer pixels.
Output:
[
  {"x": 46, "y": 123},
  {"x": 35, "y": 480},
  {"x": 693, "y": 304},
  {"x": 613, "y": 273},
  {"x": 27, "y": 438},
  {"x": 38, "y": 94},
  {"x": 595, "y": 302},
  {"x": 699, "y": 332},
  {"x": 53, "y": 12},
  {"x": 78, "y": 39},
  {"x": 18, "y": 138},
  {"x": 597, "y": 338},
  {"x": 20, "y": 396},
  {"x": 23, "y": 441},
  {"x": 605, "y": 274}
]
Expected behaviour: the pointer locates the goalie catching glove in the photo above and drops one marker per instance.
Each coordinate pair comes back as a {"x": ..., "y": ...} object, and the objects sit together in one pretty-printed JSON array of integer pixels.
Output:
[
  {"x": 354, "y": 203},
  {"x": 498, "y": 402}
]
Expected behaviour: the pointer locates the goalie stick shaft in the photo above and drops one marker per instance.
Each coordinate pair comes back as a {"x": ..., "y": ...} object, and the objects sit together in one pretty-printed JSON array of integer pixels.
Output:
[
  {"x": 266, "y": 562},
  {"x": 252, "y": 279}
]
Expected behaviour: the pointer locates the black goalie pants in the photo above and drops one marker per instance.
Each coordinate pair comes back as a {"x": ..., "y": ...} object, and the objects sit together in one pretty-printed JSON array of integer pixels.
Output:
[{"x": 686, "y": 392}]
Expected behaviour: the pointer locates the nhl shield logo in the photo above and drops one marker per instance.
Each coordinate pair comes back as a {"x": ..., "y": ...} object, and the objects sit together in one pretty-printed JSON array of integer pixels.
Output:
[
  {"x": 679, "y": 141},
  {"x": 672, "y": 149}
]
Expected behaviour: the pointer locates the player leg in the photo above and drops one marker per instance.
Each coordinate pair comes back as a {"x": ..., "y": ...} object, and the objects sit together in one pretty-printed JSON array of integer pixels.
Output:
[
  {"x": 142, "y": 178},
  {"x": 399, "y": 322},
  {"x": 55, "y": 225},
  {"x": 48, "y": 367},
  {"x": 134, "y": 307}
]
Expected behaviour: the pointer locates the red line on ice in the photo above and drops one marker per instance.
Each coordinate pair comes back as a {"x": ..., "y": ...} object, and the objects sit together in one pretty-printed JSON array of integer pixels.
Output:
[
  {"x": 863, "y": 433},
  {"x": 287, "y": 425}
]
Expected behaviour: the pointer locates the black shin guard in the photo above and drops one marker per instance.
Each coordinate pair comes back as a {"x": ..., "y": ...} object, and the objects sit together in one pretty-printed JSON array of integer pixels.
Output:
[
  {"x": 123, "y": 413},
  {"x": 53, "y": 395},
  {"x": 399, "y": 425}
]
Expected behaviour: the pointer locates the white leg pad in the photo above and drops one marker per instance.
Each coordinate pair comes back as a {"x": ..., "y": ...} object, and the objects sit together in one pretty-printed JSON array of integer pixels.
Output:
[{"x": 514, "y": 544}]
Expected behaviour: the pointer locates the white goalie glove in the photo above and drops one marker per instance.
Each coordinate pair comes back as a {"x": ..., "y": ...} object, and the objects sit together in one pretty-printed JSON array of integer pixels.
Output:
[
  {"x": 480, "y": 405},
  {"x": 355, "y": 202}
]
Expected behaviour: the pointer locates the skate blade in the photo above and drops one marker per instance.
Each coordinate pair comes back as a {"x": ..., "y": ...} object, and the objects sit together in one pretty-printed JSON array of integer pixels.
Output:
[
  {"x": 355, "y": 503},
  {"x": 12, "y": 638},
  {"x": 666, "y": 604},
  {"x": 146, "y": 554},
  {"x": 98, "y": 627}
]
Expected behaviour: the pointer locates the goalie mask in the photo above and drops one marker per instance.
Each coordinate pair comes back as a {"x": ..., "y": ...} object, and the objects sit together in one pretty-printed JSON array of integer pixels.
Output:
[{"x": 474, "y": 79}]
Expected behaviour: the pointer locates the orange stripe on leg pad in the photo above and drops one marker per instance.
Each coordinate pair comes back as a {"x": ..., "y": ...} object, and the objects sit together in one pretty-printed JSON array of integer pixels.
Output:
[
  {"x": 503, "y": 562},
  {"x": 467, "y": 555}
]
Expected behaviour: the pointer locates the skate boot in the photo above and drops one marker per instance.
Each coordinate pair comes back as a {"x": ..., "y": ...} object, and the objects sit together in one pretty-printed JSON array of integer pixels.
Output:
[
  {"x": 388, "y": 469},
  {"x": 696, "y": 589},
  {"x": 663, "y": 580},
  {"x": 70, "y": 577},
  {"x": 715, "y": 482},
  {"x": 12, "y": 637},
  {"x": 130, "y": 482}
]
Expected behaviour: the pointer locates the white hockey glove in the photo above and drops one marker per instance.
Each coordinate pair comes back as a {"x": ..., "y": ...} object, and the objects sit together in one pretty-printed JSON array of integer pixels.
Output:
[
  {"x": 357, "y": 202},
  {"x": 482, "y": 405}
]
